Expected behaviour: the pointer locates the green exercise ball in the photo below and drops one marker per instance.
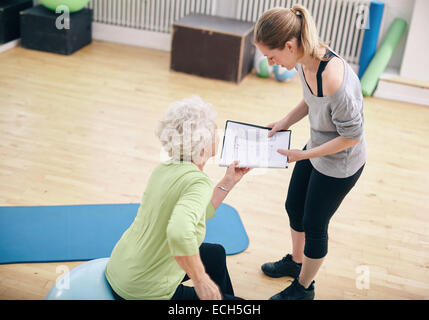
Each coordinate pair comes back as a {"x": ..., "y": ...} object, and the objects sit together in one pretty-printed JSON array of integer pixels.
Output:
[{"x": 74, "y": 5}]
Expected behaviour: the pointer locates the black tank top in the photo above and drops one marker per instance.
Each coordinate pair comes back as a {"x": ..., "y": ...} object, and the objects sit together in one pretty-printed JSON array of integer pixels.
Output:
[{"x": 328, "y": 55}]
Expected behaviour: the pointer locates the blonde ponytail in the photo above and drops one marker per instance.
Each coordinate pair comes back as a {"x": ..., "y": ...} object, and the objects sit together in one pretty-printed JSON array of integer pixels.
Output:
[{"x": 278, "y": 25}]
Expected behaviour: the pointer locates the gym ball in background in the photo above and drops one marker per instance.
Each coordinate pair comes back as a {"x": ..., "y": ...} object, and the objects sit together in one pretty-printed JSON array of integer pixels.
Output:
[
  {"x": 262, "y": 68},
  {"x": 282, "y": 74},
  {"x": 73, "y": 5}
]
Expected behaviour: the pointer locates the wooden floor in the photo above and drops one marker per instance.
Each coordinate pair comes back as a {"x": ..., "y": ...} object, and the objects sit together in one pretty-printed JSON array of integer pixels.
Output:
[{"x": 80, "y": 130}]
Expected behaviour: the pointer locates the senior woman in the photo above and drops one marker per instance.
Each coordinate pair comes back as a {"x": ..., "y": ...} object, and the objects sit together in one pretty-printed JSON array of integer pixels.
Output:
[{"x": 163, "y": 246}]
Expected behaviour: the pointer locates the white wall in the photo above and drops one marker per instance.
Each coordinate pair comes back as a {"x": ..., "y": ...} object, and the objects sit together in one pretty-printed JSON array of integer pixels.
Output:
[
  {"x": 393, "y": 9},
  {"x": 415, "y": 64}
]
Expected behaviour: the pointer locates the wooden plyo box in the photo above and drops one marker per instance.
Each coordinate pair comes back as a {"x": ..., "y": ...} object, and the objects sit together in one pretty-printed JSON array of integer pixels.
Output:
[{"x": 213, "y": 47}]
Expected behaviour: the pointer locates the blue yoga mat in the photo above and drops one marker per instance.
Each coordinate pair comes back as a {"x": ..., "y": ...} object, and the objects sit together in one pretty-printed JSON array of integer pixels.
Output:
[{"x": 86, "y": 232}]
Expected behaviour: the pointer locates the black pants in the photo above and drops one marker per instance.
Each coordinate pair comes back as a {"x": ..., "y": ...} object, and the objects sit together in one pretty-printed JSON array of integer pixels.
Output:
[
  {"x": 312, "y": 200},
  {"x": 214, "y": 260}
]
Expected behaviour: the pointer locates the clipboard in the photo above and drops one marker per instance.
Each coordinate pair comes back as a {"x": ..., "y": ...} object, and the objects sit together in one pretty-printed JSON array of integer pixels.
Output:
[{"x": 249, "y": 143}]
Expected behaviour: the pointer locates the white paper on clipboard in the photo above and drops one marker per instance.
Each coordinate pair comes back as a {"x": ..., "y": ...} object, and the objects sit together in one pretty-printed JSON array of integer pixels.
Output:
[{"x": 251, "y": 146}]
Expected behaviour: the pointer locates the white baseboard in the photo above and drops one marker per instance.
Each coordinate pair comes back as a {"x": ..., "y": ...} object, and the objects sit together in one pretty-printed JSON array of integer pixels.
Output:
[
  {"x": 9, "y": 45},
  {"x": 123, "y": 35},
  {"x": 129, "y": 36},
  {"x": 402, "y": 92}
]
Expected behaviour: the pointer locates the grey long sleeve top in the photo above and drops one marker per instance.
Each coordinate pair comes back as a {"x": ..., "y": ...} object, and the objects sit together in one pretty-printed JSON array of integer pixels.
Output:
[{"x": 340, "y": 114}]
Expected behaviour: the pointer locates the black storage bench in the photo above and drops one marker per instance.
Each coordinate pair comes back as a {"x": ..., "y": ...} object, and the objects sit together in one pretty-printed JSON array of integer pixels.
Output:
[
  {"x": 213, "y": 47},
  {"x": 9, "y": 18},
  {"x": 39, "y": 30}
]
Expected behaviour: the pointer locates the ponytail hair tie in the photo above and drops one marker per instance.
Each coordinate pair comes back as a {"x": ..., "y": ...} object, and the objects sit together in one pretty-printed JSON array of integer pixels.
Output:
[{"x": 295, "y": 12}]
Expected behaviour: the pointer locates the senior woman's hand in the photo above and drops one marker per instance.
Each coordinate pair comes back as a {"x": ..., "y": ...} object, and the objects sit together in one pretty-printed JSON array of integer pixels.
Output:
[
  {"x": 233, "y": 174},
  {"x": 207, "y": 289},
  {"x": 231, "y": 178},
  {"x": 204, "y": 286}
]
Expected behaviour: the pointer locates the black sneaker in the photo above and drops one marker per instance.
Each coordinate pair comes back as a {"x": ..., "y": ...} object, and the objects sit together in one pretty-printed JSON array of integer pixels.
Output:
[
  {"x": 295, "y": 292},
  {"x": 284, "y": 267}
]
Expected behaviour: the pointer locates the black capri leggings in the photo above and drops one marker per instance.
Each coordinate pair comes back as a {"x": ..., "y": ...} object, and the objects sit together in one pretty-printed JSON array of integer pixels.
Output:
[{"x": 312, "y": 200}]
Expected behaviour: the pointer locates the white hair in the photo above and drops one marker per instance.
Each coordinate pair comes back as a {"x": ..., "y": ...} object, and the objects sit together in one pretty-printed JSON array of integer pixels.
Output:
[{"x": 187, "y": 128}]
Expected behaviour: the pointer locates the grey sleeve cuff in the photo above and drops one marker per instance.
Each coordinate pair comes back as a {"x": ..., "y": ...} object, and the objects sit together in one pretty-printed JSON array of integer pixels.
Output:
[{"x": 348, "y": 119}]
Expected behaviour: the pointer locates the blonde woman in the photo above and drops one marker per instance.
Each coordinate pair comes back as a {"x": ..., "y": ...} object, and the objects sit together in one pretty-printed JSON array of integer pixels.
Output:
[
  {"x": 163, "y": 246},
  {"x": 333, "y": 159}
]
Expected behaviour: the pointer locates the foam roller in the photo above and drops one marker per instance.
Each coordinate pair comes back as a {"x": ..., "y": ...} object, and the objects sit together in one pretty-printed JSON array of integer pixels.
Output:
[
  {"x": 382, "y": 57},
  {"x": 370, "y": 38}
]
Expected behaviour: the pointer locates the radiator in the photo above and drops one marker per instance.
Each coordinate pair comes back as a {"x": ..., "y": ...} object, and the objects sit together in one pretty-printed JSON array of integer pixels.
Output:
[
  {"x": 151, "y": 15},
  {"x": 340, "y": 23}
]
